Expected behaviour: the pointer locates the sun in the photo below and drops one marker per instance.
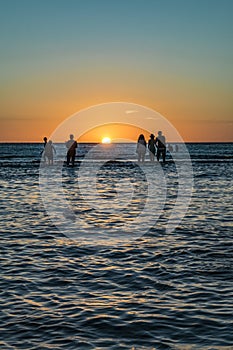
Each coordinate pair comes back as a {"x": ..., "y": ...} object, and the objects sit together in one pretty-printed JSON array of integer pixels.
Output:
[{"x": 106, "y": 140}]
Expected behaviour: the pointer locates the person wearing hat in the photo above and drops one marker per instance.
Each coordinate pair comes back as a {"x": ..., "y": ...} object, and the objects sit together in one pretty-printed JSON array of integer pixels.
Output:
[
  {"x": 151, "y": 147},
  {"x": 160, "y": 143}
]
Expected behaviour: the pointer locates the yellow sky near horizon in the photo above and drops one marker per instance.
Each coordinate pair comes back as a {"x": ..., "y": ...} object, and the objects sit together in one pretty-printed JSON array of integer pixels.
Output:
[
  {"x": 33, "y": 107},
  {"x": 19, "y": 126}
]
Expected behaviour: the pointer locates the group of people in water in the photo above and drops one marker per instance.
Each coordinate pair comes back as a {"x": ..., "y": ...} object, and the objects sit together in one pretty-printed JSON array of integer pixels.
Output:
[
  {"x": 50, "y": 151},
  {"x": 156, "y": 147}
]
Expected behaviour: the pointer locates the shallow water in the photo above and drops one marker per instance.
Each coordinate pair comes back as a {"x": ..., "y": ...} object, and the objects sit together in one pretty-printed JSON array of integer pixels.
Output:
[{"x": 161, "y": 291}]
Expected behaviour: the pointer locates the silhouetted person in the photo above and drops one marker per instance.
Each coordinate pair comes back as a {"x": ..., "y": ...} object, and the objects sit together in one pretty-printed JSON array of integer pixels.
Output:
[
  {"x": 160, "y": 142},
  {"x": 177, "y": 148},
  {"x": 151, "y": 147},
  {"x": 49, "y": 151},
  {"x": 141, "y": 148},
  {"x": 42, "y": 152},
  {"x": 71, "y": 145}
]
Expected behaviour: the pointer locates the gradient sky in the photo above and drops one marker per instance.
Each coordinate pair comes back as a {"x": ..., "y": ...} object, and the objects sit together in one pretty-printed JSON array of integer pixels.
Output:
[{"x": 174, "y": 56}]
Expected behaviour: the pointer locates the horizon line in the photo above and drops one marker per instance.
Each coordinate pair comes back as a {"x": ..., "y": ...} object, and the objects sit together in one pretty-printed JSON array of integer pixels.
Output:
[{"x": 96, "y": 142}]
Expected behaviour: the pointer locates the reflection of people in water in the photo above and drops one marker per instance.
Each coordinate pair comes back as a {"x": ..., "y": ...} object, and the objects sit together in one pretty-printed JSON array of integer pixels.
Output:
[
  {"x": 160, "y": 142},
  {"x": 141, "y": 148},
  {"x": 71, "y": 145},
  {"x": 151, "y": 147},
  {"x": 49, "y": 151}
]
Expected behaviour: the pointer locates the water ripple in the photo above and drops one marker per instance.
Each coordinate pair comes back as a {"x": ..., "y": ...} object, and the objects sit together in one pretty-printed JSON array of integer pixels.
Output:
[{"x": 163, "y": 291}]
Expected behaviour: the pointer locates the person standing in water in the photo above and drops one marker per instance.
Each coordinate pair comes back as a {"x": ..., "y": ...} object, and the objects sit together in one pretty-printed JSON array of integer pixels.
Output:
[
  {"x": 71, "y": 145},
  {"x": 45, "y": 141},
  {"x": 151, "y": 147},
  {"x": 43, "y": 152},
  {"x": 160, "y": 143},
  {"x": 49, "y": 151},
  {"x": 141, "y": 148}
]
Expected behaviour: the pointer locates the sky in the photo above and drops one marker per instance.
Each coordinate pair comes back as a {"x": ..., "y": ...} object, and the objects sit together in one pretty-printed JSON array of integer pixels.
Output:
[{"x": 58, "y": 57}]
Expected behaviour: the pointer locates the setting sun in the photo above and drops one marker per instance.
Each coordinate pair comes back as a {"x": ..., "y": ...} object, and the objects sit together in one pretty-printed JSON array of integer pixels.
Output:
[{"x": 106, "y": 140}]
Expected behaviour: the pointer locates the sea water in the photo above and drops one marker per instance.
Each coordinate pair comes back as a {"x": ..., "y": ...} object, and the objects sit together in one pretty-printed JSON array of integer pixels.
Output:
[{"x": 163, "y": 290}]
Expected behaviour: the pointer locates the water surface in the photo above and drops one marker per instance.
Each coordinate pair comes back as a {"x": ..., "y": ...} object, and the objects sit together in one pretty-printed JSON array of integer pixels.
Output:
[{"x": 162, "y": 291}]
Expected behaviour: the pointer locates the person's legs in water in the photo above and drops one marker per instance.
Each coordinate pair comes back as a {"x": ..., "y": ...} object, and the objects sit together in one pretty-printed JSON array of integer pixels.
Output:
[
  {"x": 158, "y": 154},
  {"x": 68, "y": 158},
  {"x": 164, "y": 154},
  {"x": 143, "y": 158},
  {"x": 73, "y": 157},
  {"x": 139, "y": 157}
]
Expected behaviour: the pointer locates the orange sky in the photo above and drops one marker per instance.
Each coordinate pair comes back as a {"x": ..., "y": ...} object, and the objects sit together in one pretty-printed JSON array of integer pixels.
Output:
[
  {"x": 30, "y": 115},
  {"x": 114, "y": 132},
  {"x": 28, "y": 129}
]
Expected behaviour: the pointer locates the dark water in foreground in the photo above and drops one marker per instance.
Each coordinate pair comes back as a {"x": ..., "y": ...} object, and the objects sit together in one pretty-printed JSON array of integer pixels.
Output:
[{"x": 162, "y": 291}]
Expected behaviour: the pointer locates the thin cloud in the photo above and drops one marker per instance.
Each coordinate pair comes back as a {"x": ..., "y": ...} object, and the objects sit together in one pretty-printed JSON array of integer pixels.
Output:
[{"x": 131, "y": 111}]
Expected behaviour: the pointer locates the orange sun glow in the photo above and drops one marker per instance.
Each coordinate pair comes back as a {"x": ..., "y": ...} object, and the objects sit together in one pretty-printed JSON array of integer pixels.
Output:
[{"x": 106, "y": 140}]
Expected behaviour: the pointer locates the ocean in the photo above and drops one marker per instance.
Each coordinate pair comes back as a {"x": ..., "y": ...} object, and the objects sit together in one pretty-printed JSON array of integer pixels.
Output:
[{"x": 147, "y": 288}]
